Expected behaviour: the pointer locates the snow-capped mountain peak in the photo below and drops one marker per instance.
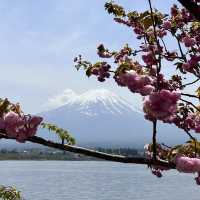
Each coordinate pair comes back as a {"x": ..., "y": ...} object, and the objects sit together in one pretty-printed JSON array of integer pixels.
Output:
[
  {"x": 94, "y": 102},
  {"x": 99, "y": 101},
  {"x": 97, "y": 95}
]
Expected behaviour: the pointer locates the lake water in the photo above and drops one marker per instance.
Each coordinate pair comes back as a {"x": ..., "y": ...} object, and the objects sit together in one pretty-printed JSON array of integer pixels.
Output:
[{"x": 88, "y": 180}]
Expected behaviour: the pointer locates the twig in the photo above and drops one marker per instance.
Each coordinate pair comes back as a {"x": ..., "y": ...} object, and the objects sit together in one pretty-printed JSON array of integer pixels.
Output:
[
  {"x": 154, "y": 139},
  {"x": 166, "y": 146},
  {"x": 190, "y": 95},
  {"x": 191, "y": 83},
  {"x": 195, "y": 141},
  {"x": 190, "y": 103},
  {"x": 180, "y": 48}
]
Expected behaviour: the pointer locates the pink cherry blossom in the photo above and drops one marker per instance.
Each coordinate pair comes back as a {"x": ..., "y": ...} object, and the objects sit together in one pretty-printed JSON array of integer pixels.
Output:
[
  {"x": 136, "y": 83},
  {"x": 187, "y": 164},
  {"x": 161, "y": 105},
  {"x": 167, "y": 25},
  {"x": 21, "y": 127},
  {"x": 188, "y": 41},
  {"x": 149, "y": 59},
  {"x": 101, "y": 71}
]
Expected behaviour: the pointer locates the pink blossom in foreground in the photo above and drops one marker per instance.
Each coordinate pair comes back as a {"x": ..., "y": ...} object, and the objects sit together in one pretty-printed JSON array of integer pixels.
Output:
[
  {"x": 21, "y": 127},
  {"x": 161, "y": 105},
  {"x": 186, "y": 164}
]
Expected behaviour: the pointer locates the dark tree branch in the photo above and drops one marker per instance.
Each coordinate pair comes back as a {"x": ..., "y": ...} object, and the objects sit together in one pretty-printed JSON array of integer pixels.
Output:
[
  {"x": 191, "y": 83},
  {"x": 180, "y": 49},
  {"x": 154, "y": 139},
  {"x": 195, "y": 141},
  {"x": 192, "y": 7},
  {"x": 97, "y": 154},
  {"x": 190, "y": 95}
]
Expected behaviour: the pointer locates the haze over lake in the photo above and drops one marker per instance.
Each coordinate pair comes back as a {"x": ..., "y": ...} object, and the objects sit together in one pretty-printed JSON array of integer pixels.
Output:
[{"x": 90, "y": 180}]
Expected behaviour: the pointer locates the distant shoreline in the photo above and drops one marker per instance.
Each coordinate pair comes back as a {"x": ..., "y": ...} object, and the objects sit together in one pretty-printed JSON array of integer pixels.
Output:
[{"x": 54, "y": 155}]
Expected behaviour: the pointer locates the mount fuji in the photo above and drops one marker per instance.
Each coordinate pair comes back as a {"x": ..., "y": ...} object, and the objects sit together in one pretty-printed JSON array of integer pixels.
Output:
[{"x": 103, "y": 118}]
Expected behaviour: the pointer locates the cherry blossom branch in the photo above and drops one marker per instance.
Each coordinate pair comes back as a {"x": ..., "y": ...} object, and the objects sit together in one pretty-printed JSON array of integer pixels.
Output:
[
  {"x": 154, "y": 139},
  {"x": 165, "y": 47},
  {"x": 192, "y": 7},
  {"x": 96, "y": 154},
  {"x": 166, "y": 146},
  {"x": 180, "y": 48}
]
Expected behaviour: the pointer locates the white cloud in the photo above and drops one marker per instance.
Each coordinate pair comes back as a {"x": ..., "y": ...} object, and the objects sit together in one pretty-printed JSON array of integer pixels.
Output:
[{"x": 61, "y": 99}]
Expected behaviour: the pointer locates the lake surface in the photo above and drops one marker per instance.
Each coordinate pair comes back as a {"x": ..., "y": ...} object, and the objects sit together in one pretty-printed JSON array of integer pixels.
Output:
[{"x": 89, "y": 180}]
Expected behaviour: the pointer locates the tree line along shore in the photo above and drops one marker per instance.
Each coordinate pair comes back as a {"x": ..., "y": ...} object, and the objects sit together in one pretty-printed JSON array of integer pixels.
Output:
[{"x": 51, "y": 154}]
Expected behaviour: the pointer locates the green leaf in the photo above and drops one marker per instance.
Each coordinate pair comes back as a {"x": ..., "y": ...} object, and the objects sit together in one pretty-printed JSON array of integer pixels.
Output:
[
  {"x": 4, "y": 106},
  {"x": 62, "y": 133},
  {"x": 198, "y": 92},
  {"x": 133, "y": 15},
  {"x": 115, "y": 9}
]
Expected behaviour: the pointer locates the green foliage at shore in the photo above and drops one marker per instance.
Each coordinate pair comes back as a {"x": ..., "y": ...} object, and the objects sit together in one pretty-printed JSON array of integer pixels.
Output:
[{"x": 9, "y": 193}]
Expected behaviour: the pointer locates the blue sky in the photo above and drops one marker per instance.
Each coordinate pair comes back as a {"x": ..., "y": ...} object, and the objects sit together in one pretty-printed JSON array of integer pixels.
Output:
[{"x": 39, "y": 39}]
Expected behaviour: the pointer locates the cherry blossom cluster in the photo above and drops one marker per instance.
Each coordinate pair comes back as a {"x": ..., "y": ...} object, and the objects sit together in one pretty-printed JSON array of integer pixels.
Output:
[
  {"x": 161, "y": 105},
  {"x": 123, "y": 55},
  {"x": 135, "y": 82},
  {"x": 101, "y": 70},
  {"x": 103, "y": 53},
  {"x": 192, "y": 122},
  {"x": 185, "y": 119},
  {"x": 192, "y": 64},
  {"x": 149, "y": 59},
  {"x": 188, "y": 165},
  {"x": 19, "y": 126}
]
